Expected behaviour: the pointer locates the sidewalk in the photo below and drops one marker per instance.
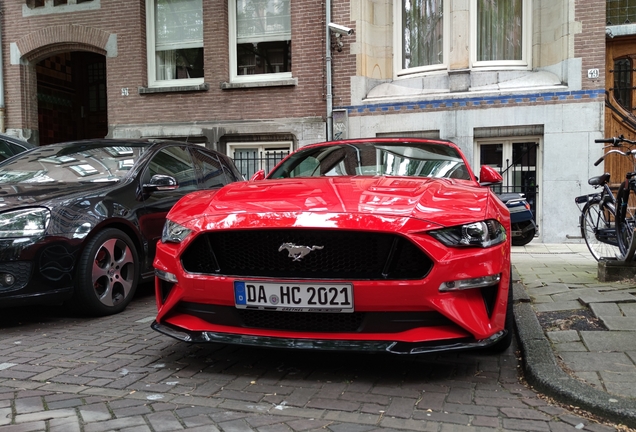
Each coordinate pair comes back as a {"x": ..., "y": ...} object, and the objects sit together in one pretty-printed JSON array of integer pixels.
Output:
[{"x": 578, "y": 335}]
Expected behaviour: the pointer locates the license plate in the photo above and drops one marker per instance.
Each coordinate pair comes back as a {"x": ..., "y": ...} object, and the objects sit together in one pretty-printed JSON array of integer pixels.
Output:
[{"x": 294, "y": 297}]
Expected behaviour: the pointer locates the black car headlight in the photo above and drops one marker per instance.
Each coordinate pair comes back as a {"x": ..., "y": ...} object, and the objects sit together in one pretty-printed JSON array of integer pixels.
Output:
[
  {"x": 31, "y": 222},
  {"x": 476, "y": 234},
  {"x": 173, "y": 232}
]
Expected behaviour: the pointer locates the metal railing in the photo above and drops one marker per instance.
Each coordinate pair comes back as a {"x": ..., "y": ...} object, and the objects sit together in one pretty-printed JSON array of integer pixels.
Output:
[{"x": 249, "y": 163}]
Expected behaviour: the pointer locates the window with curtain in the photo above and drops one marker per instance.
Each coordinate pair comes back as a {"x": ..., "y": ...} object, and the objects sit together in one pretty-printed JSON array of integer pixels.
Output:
[
  {"x": 262, "y": 37},
  {"x": 499, "y": 30},
  {"x": 178, "y": 40},
  {"x": 423, "y": 33}
]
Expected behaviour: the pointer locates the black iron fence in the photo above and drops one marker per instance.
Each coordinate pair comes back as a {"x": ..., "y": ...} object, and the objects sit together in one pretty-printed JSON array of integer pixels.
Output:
[
  {"x": 520, "y": 174},
  {"x": 249, "y": 162}
]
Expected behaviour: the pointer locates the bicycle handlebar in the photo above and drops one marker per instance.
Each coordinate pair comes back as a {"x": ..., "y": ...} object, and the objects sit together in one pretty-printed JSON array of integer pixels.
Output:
[
  {"x": 615, "y": 141},
  {"x": 629, "y": 153}
]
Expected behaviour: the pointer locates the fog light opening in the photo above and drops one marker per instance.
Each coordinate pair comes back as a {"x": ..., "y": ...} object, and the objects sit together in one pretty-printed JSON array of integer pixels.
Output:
[
  {"x": 168, "y": 277},
  {"x": 7, "y": 279},
  {"x": 463, "y": 284}
]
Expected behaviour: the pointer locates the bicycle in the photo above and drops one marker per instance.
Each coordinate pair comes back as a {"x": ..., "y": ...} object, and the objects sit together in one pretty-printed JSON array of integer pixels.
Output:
[{"x": 606, "y": 221}]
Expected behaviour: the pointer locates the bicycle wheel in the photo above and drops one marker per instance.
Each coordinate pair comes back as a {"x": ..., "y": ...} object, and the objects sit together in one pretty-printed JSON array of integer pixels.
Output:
[
  {"x": 625, "y": 221},
  {"x": 598, "y": 227}
]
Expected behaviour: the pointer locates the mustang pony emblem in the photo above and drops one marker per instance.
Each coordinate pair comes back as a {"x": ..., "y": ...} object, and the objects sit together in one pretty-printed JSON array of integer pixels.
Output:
[{"x": 298, "y": 252}]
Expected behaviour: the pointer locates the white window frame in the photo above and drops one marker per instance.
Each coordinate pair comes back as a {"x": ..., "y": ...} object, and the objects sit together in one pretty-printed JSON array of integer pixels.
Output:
[
  {"x": 234, "y": 76},
  {"x": 398, "y": 35},
  {"x": 526, "y": 43},
  {"x": 151, "y": 54},
  {"x": 71, "y": 6}
]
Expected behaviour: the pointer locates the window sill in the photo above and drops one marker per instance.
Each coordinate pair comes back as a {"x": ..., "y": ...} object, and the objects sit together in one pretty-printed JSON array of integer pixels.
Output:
[
  {"x": 252, "y": 84},
  {"x": 174, "y": 89}
]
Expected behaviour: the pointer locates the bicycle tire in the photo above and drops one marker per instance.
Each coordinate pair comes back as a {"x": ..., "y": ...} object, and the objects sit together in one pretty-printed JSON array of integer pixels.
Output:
[
  {"x": 598, "y": 228},
  {"x": 625, "y": 221}
]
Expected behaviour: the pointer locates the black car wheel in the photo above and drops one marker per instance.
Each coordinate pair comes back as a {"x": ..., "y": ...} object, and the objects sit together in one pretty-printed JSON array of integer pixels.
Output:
[
  {"x": 107, "y": 274},
  {"x": 524, "y": 238}
]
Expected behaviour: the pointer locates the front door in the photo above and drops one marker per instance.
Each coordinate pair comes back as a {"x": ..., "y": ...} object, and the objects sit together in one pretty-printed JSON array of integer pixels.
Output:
[{"x": 72, "y": 97}]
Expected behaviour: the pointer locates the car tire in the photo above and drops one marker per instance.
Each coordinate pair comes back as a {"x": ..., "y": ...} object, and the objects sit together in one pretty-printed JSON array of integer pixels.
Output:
[
  {"x": 524, "y": 239},
  {"x": 107, "y": 274},
  {"x": 504, "y": 343}
]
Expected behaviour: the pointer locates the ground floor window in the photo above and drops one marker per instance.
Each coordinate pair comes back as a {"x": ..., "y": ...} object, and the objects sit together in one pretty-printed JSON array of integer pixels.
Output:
[
  {"x": 251, "y": 157},
  {"x": 518, "y": 161}
]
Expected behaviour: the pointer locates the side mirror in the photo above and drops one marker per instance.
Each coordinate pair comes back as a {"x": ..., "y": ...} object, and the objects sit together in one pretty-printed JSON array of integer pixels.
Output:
[
  {"x": 258, "y": 175},
  {"x": 161, "y": 182},
  {"x": 489, "y": 176}
]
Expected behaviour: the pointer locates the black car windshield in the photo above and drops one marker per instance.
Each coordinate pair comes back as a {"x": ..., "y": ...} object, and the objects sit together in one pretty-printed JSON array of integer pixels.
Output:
[
  {"x": 55, "y": 164},
  {"x": 373, "y": 159}
]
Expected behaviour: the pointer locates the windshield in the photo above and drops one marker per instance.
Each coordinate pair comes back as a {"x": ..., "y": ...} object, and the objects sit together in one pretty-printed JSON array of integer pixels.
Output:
[
  {"x": 54, "y": 164},
  {"x": 375, "y": 158}
]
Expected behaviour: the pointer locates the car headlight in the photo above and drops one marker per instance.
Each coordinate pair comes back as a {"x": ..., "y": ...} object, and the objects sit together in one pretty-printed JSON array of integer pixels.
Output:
[
  {"x": 173, "y": 232},
  {"x": 30, "y": 222},
  {"x": 477, "y": 234}
]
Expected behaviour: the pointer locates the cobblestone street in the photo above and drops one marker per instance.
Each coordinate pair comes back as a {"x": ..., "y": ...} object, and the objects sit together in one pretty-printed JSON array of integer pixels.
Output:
[{"x": 65, "y": 373}]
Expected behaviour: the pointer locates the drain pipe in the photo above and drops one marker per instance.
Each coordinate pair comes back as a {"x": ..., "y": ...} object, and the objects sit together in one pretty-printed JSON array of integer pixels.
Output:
[
  {"x": 1, "y": 81},
  {"x": 329, "y": 95}
]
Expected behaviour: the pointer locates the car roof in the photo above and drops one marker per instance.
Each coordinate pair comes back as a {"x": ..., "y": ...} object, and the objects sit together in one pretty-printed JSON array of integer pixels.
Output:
[{"x": 384, "y": 141}]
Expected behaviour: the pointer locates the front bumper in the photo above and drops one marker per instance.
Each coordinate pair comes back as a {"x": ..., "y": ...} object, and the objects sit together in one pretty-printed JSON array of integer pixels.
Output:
[{"x": 392, "y": 347}]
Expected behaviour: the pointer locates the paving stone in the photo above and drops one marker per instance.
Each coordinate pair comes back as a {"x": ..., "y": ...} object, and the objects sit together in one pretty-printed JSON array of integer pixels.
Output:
[
  {"x": 558, "y": 306},
  {"x": 29, "y": 404},
  {"x": 591, "y": 378},
  {"x": 164, "y": 422},
  {"x": 606, "y": 341},
  {"x": 67, "y": 424},
  {"x": 628, "y": 309},
  {"x": 114, "y": 425},
  {"x": 563, "y": 336},
  {"x": 25, "y": 427},
  {"x": 611, "y": 297},
  {"x": 595, "y": 361},
  {"x": 570, "y": 346},
  {"x": 44, "y": 415},
  {"x": 605, "y": 309},
  {"x": 619, "y": 323},
  {"x": 95, "y": 412}
]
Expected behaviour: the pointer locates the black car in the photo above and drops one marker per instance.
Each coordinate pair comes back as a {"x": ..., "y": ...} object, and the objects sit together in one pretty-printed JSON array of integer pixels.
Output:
[
  {"x": 11, "y": 146},
  {"x": 79, "y": 220}
]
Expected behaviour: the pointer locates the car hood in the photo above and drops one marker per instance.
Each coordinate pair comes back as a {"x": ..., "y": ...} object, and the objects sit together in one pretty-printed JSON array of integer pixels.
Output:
[
  {"x": 445, "y": 202},
  {"x": 14, "y": 196}
]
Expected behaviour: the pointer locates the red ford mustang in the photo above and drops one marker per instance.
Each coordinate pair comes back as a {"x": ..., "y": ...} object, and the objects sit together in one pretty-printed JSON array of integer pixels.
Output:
[{"x": 373, "y": 244}]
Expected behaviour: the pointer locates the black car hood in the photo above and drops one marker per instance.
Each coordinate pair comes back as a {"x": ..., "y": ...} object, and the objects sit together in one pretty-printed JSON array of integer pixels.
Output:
[{"x": 13, "y": 196}]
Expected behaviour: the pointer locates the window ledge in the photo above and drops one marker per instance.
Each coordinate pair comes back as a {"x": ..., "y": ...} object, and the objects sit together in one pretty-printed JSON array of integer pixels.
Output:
[
  {"x": 174, "y": 89},
  {"x": 252, "y": 84}
]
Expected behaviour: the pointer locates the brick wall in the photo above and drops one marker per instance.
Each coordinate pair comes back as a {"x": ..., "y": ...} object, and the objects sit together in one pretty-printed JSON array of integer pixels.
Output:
[
  {"x": 126, "y": 19},
  {"x": 344, "y": 63},
  {"x": 589, "y": 45}
]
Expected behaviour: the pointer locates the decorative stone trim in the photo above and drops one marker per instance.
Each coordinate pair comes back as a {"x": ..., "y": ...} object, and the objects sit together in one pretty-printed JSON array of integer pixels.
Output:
[
  {"x": 253, "y": 84},
  {"x": 58, "y": 38},
  {"x": 173, "y": 89}
]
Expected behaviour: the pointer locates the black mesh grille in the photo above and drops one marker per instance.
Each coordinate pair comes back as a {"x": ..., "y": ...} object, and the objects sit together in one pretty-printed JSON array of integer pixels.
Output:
[
  {"x": 336, "y": 254},
  {"x": 326, "y": 322},
  {"x": 300, "y": 321}
]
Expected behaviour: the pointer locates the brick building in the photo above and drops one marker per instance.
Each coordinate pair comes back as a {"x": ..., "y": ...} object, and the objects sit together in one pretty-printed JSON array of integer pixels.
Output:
[{"x": 516, "y": 83}]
